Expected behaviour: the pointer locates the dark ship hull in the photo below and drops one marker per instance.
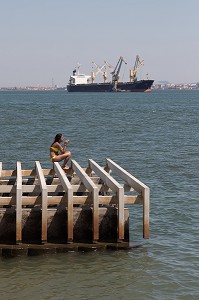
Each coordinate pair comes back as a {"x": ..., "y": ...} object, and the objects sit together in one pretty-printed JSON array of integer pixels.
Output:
[{"x": 137, "y": 86}]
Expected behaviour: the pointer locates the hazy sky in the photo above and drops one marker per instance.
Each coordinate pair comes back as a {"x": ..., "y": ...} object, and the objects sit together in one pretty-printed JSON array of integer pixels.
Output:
[{"x": 43, "y": 40}]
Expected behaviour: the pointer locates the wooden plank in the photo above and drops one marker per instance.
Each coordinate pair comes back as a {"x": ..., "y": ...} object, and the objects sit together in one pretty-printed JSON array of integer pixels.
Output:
[
  {"x": 0, "y": 173},
  {"x": 33, "y": 173},
  {"x": 138, "y": 186},
  {"x": 12, "y": 181},
  {"x": 146, "y": 207},
  {"x": 107, "y": 178},
  {"x": 1, "y": 166},
  {"x": 117, "y": 188},
  {"x": 51, "y": 179},
  {"x": 121, "y": 214},
  {"x": 26, "y": 200},
  {"x": 6, "y": 173},
  {"x": 129, "y": 200},
  {"x": 87, "y": 181},
  {"x": 81, "y": 200},
  {"x": 44, "y": 192},
  {"x": 19, "y": 204},
  {"x": 95, "y": 194},
  {"x": 7, "y": 189},
  {"x": 56, "y": 188},
  {"x": 46, "y": 172},
  {"x": 81, "y": 188},
  {"x": 69, "y": 192},
  {"x": 84, "y": 178},
  {"x": 127, "y": 177},
  {"x": 29, "y": 173},
  {"x": 11, "y": 200},
  {"x": 29, "y": 189}
]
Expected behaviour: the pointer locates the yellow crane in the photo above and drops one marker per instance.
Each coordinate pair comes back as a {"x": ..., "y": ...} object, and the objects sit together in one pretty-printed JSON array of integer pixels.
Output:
[
  {"x": 99, "y": 70},
  {"x": 133, "y": 72}
]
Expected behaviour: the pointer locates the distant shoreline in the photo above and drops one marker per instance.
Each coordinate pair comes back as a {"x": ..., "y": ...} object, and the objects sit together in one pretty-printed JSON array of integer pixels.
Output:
[
  {"x": 32, "y": 89},
  {"x": 156, "y": 86}
]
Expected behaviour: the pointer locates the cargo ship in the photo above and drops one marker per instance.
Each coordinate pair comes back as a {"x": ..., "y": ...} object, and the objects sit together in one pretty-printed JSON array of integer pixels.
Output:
[{"x": 85, "y": 83}]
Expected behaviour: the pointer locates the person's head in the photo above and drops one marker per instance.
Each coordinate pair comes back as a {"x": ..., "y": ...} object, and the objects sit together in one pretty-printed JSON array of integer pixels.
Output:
[{"x": 58, "y": 138}]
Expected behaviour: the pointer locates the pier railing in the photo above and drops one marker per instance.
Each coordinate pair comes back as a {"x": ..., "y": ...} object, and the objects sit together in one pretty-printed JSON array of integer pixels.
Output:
[{"x": 93, "y": 186}]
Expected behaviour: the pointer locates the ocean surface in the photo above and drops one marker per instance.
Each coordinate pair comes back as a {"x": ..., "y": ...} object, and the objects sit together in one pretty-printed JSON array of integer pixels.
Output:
[{"x": 154, "y": 136}]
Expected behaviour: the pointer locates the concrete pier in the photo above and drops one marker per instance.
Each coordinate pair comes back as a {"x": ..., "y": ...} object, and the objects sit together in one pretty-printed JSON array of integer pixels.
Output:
[
  {"x": 57, "y": 230},
  {"x": 82, "y": 206}
]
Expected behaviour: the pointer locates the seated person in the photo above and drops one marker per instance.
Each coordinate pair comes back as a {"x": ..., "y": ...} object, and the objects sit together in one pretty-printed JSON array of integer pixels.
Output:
[{"x": 59, "y": 153}]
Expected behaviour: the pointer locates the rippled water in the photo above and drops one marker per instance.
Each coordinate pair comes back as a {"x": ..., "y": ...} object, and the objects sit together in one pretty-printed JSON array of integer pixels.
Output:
[{"x": 155, "y": 137}]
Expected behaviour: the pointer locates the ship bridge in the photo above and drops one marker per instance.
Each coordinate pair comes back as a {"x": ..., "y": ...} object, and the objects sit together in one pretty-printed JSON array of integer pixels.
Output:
[{"x": 78, "y": 78}]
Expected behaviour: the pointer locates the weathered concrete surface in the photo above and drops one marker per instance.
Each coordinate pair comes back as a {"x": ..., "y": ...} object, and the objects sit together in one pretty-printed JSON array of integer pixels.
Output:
[
  {"x": 45, "y": 249},
  {"x": 57, "y": 225}
]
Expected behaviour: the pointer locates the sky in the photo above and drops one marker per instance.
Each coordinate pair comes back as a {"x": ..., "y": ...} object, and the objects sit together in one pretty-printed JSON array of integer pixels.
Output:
[{"x": 43, "y": 40}]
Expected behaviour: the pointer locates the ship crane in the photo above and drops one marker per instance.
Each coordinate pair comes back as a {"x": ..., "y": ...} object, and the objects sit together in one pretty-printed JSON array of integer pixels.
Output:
[
  {"x": 109, "y": 66},
  {"x": 99, "y": 70},
  {"x": 138, "y": 64},
  {"x": 116, "y": 71}
]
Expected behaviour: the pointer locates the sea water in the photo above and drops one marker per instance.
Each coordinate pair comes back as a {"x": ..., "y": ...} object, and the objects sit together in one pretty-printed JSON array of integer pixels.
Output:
[{"x": 155, "y": 137}]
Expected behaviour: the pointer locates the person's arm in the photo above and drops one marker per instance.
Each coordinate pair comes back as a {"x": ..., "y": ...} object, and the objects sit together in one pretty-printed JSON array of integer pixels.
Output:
[
  {"x": 65, "y": 143},
  {"x": 59, "y": 147},
  {"x": 63, "y": 150}
]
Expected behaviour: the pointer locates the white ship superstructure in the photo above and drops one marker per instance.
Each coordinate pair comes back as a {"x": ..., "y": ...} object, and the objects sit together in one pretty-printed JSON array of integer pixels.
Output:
[{"x": 78, "y": 78}]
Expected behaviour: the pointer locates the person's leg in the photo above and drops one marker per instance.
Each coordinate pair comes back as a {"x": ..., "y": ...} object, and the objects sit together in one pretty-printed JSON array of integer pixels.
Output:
[{"x": 65, "y": 157}]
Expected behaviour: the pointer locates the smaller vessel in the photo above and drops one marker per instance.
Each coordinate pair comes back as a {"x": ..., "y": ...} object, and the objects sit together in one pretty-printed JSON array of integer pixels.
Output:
[{"x": 85, "y": 83}]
